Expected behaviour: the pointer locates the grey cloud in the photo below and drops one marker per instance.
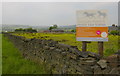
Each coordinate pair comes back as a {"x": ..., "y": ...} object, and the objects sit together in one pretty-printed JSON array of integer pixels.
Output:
[{"x": 47, "y": 13}]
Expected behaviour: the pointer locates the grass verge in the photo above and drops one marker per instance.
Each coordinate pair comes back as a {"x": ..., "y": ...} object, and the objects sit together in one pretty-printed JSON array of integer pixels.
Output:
[{"x": 14, "y": 63}]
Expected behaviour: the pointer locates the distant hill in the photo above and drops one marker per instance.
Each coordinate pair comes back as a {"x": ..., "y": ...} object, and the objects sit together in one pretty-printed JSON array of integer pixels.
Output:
[
  {"x": 13, "y": 27},
  {"x": 6, "y": 27},
  {"x": 67, "y": 27}
]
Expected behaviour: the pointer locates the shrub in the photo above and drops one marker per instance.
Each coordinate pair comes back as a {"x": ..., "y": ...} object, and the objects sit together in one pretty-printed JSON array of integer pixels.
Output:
[
  {"x": 109, "y": 52},
  {"x": 114, "y": 32},
  {"x": 25, "y": 30},
  {"x": 73, "y": 30}
]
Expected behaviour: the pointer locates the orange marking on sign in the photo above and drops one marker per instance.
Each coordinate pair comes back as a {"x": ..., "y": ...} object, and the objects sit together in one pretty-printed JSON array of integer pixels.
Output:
[{"x": 91, "y": 31}]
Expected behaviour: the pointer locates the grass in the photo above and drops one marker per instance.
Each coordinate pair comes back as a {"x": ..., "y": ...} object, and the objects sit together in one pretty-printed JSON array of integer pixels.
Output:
[
  {"x": 14, "y": 63},
  {"x": 110, "y": 47},
  {"x": 0, "y": 54}
]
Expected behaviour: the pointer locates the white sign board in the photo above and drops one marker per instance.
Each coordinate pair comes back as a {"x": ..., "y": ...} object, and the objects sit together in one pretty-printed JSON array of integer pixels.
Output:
[
  {"x": 92, "y": 18},
  {"x": 92, "y": 25}
]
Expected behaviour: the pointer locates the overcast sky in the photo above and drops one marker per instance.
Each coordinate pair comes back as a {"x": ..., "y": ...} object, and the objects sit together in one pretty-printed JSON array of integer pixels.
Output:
[{"x": 48, "y": 13}]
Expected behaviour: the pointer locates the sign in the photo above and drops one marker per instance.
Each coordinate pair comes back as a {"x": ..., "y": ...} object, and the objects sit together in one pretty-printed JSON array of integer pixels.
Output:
[{"x": 92, "y": 25}]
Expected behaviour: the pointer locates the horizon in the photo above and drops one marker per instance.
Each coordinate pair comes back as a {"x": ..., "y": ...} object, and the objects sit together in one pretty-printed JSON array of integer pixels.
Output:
[{"x": 43, "y": 25}]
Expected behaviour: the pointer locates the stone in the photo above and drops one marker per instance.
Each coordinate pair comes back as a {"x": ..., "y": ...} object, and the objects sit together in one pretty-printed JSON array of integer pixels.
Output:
[
  {"x": 63, "y": 46},
  {"x": 72, "y": 62},
  {"x": 114, "y": 71},
  {"x": 51, "y": 48},
  {"x": 102, "y": 63},
  {"x": 46, "y": 47},
  {"x": 71, "y": 55},
  {"x": 27, "y": 40},
  {"x": 64, "y": 69},
  {"x": 91, "y": 54},
  {"x": 95, "y": 66},
  {"x": 112, "y": 60},
  {"x": 97, "y": 70},
  {"x": 119, "y": 70},
  {"x": 64, "y": 53},
  {"x": 87, "y": 61},
  {"x": 106, "y": 71},
  {"x": 78, "y": 72},
  {"x": 74, "y": 47},
  {"x": 84, "y": 54},
  {"x": 71, "y": 70},
  {"x": 58, "y": 50},
  {"x": 78, "y": 52}
]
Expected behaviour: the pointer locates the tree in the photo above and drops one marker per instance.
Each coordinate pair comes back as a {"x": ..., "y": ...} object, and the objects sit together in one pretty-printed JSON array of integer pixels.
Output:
[
  {"x": 55, "y": 26},
  {"x": 50, "y": 28},
  {"x": 20, "y": 29},
  {"x": 31, "y": 30},
  {"x": 113, "y": 25},
  {"x": 73, "y": 30},
  {"x": 114, "y": 32},
  {"x": 25, "y": 30}
]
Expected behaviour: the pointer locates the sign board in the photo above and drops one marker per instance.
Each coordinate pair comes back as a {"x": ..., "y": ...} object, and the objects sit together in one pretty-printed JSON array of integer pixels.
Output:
[{"x": 92, "y": 25}]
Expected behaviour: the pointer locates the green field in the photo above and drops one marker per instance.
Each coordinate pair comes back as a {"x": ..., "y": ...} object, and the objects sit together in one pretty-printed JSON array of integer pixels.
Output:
[
  {"x": 110, "y": 47},
  {"x": 14, "y": 63}
]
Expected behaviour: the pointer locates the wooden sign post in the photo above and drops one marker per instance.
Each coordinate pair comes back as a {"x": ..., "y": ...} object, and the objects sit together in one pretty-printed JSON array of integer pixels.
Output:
[
  {"x": 84, "y": 46},
  {"x": 91, "y": 26},
  {"x": 100, "y": 48}
]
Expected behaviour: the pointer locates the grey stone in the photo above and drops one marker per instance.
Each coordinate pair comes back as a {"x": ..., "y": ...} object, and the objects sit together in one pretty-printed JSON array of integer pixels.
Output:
[
  {"x": 107, "y": 70},
  {"x": 58, "y": 50},
  {"x": 95, "y": 66},
  {"x": 84, "y": 54},
  {"x": 91, "y": 54},
  {"x": 46, "y": 47},
  {"x": 73, "y": 56},
  {"x": 97, "y": 71},
  {"x": 78, "y": 52},
  {"x": 114, "y": 71},
  {"x": 64, "y": 53},
  {"x": 27, "y": 40},
  {"x": 102, "y": 63},
  {"x": 51, "y": 48}
]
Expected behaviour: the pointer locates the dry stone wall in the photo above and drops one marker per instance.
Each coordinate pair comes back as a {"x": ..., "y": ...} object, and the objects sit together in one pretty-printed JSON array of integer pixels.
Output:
[{"x": 61, "y": 58}]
